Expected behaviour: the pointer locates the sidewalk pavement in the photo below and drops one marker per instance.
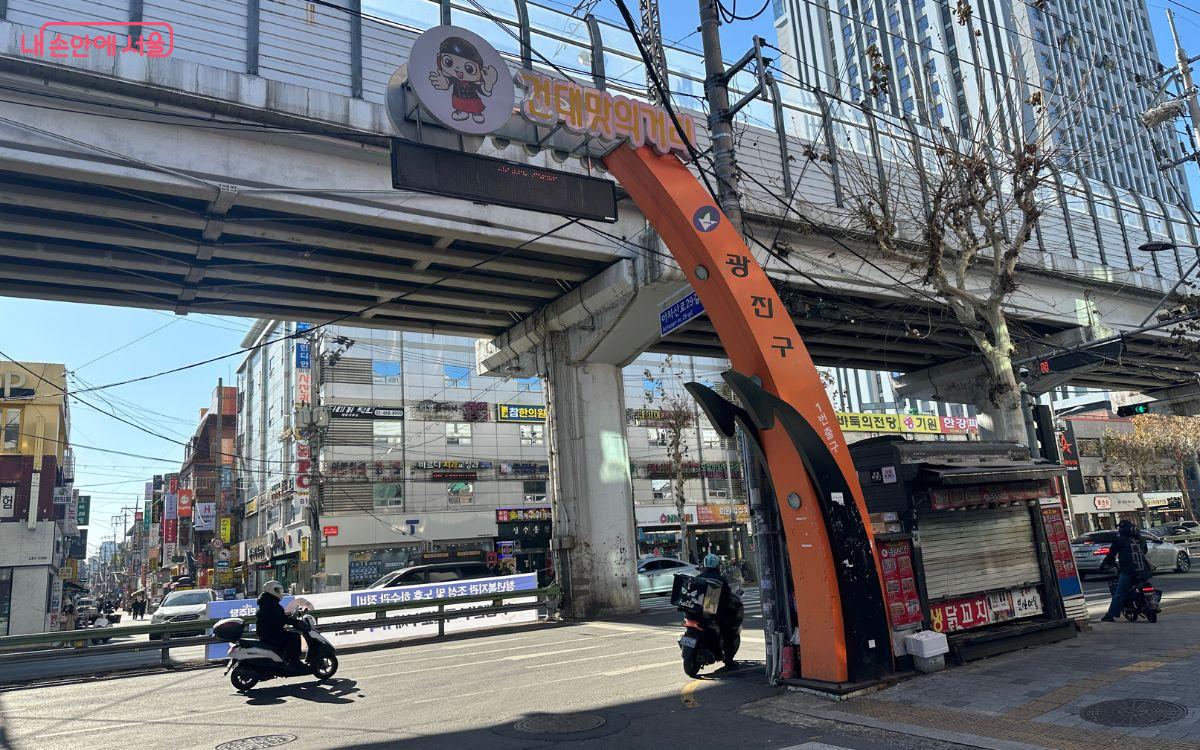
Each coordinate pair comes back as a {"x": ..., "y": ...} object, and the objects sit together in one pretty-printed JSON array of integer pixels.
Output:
[{"x": 1034, "y": 698}]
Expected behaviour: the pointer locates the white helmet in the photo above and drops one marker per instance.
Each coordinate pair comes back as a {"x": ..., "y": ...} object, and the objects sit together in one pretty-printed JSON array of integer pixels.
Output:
[{"x": 274, "y": 588}]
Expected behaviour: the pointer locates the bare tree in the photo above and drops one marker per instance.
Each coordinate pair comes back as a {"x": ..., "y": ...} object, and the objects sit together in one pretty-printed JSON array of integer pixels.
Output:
[
  {"x": 958, "y": 207},
  {"x": 675, "y": 415}
]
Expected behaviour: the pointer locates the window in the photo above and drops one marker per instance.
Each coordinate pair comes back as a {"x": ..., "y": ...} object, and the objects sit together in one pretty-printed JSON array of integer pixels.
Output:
[
  {"x": 709, "y": 438},
  {"x": 12, "y": 429},
  {"x": 533, "y": 434},
  {"x": 901, "y": 62},
  {"x": 387, "y": 496},
  {"x": 718, "y": 489},
  {"x": 385, "y": 372},
  {"x": 1094, "y": 484},
  {"x": 461, "y": 493},
  {"x": 457, "y": 376},
  {"x": 658, "y": 436},
  {"x": 660, "y": 488},
  {"x": 389, "y": 434},
  {"x": 529, "y": 385},
  {"x": 922, "y": 23},
  {"x": 534, "y": 491},
  {"x": 458, "y": 433},
  {"x": 1089, "y": 447},
  {"x": 1121, "y": 484}
]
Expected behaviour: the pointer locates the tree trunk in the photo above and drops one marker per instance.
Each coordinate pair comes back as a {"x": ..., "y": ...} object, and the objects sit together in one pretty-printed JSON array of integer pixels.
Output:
[
  {"x": 1008, "y": 416},
  {"x": 677, "y": 476}
]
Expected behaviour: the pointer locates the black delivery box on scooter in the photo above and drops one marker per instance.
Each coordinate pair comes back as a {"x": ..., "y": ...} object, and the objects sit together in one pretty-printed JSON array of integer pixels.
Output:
[{"x": 693, "y": 594}]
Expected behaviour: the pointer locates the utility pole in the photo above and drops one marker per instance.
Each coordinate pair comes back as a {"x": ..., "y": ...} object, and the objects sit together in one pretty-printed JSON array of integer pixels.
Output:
[
  {"x": 1185, "y": 75},
  {"x": 720, "y": 118},
  {"x": 653, "y": 43}
]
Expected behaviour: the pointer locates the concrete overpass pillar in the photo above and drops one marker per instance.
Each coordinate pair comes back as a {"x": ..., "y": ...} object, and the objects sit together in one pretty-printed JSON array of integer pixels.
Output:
[{"x": 589, "y": 458}]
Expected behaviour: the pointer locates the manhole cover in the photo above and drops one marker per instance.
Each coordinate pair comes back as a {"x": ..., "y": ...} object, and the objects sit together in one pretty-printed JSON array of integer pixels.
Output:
[
  {"x": 257, "y": 743},
  {"x": 1133, "y": 712},
  {"x": 559, "y": 723}
]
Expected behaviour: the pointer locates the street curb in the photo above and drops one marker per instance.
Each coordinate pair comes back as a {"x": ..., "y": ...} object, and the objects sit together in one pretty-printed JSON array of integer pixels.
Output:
[{"x": 957, "y": 738}]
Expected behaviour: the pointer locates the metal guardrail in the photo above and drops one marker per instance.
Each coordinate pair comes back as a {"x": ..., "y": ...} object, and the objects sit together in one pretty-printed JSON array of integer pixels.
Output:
[{"x": 69, "y": 643}]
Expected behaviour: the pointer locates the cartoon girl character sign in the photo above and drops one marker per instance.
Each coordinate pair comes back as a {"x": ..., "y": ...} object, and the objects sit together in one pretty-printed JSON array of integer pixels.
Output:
[{"x": 461, "y": 80}]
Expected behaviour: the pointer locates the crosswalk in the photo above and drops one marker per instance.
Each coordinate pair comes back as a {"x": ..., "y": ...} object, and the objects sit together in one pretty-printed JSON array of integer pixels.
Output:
[{"x": 750, "y": 600}]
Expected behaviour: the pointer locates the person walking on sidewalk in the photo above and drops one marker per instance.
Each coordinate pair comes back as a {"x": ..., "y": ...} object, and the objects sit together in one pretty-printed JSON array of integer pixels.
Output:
[{"x": 1129, "y": 550}]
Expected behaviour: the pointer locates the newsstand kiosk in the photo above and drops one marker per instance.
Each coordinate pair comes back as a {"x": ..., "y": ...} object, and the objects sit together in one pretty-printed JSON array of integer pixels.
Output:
[{"x": 972, "y": 542}]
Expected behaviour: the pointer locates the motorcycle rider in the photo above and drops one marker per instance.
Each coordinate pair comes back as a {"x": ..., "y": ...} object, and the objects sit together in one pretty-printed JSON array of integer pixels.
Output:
[
  {"x": 271, "y": 621},
  {"x": 1129, "y": 550},
  {"x": 729, "y": 609}
]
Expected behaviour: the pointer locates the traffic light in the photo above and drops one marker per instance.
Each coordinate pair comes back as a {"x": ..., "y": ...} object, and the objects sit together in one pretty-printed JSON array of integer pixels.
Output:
[{"x": 1133, "y": 410}]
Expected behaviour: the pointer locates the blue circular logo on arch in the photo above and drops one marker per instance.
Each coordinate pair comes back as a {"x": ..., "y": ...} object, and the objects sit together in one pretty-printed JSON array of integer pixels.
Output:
[{"x": 706, "y": 218}]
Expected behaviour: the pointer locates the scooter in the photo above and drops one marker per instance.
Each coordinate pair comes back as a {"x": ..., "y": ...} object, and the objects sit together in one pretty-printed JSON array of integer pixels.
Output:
[
  {"x": 251, "y": 661},
  {"x": 1144, "y": 601},
  {"x": 700, "y": 644}
]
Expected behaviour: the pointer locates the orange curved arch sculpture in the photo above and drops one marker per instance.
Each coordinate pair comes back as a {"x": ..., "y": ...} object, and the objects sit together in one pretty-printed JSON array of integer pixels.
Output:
[{"x": 844, "y": 633}]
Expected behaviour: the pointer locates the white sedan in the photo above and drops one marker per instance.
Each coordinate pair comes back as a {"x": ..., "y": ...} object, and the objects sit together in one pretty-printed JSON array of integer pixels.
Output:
[{"x": 657, "y": 574}]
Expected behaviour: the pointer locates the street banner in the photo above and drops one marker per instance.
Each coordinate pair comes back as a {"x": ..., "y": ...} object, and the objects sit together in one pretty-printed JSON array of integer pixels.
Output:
[
  {"x": 397, "y": 595},
  {"x": 206, "y": 516}
]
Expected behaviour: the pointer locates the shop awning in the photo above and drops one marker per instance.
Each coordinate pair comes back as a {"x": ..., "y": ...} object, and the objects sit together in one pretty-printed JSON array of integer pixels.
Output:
[{"x": 1000, "y": 471}]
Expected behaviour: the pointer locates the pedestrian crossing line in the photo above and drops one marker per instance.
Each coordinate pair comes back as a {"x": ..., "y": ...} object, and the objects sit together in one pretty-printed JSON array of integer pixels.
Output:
[
  {"x": 640, "y": 668},
  {"x": 605, "y": 656}
]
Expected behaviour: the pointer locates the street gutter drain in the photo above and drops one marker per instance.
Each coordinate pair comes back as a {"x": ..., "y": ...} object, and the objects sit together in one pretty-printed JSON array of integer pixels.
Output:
[
  {"x": 261, "y": 742},
  {"x": 1133, "y": 712},
  {"x": 559, "y": 723}
]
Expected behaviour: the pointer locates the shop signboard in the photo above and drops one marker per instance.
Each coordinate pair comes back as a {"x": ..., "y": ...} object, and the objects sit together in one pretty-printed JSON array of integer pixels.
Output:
[
  {"x": 251, "y": 506},
  {"x": 960, "y": 614},
  {"x": 71, "y": 516},
  {"x": 721, "y": 513},
  {"x": 506, "y": 515},
  {"x": 469, "y": 476},
  {"x": 185, "y": 503},
  {"x": 62, "y": 495},
  {"x": 914, "y": 423},
  {"x": 662, "y": 515},
  {"x": 526, "y": 470},
  {"x": 8, "y": 501},
  {"x": 365, "y": 411},
  {"x": 206, "y": 516},
  {"x": 520, "y": 413},
  {"x": 398, "y": 595},
  {"x": 330, "y": 530},
  {"x": 226, "y": 529},
  {"x": 527, "y": 531},
  {"x": 900, "y": 584}
]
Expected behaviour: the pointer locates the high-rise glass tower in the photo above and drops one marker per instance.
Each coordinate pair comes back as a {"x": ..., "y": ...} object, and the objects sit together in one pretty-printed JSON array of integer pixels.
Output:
[{"x": 1093, "y": 61}]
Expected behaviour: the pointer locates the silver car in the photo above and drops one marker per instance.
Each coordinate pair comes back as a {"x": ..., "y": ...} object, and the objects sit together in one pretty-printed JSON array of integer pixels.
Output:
[
  {"x": 656, "y": 575},
  {"x": 1090, "y": 549}
]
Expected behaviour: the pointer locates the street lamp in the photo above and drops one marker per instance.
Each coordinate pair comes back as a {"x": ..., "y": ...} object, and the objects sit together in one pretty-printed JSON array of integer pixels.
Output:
[{"x": 1155, "y": 246}]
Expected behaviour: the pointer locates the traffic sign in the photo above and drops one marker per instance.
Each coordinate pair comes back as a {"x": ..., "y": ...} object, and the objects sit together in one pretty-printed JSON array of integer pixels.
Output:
[{"x": 217, "y": 543}]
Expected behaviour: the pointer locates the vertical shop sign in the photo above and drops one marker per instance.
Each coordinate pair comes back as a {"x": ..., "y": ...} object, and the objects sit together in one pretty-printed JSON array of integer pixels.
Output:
[
  {"x": 900, "y": 585},
  {"x": 1060, "y": 547}
]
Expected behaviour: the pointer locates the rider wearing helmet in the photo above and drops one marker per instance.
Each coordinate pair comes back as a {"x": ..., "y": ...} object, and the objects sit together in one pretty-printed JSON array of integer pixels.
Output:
[
  {"x": 271, "y": 621},
  {"x": 729, "y": 610},
  {"x": 1129, "y": 550}
]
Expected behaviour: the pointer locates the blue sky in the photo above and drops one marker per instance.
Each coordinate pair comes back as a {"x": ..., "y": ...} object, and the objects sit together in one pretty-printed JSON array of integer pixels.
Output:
[{"x": 74, "y": 334}]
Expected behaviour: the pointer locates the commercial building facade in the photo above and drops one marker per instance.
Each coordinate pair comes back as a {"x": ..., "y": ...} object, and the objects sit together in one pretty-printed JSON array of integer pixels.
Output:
[{"x": 36, "y": 470}]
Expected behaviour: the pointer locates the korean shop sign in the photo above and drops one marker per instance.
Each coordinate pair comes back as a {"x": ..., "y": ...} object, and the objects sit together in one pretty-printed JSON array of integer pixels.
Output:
[
  {"x": 583, "y": 110},
  {"x": 520, "y": 413}
]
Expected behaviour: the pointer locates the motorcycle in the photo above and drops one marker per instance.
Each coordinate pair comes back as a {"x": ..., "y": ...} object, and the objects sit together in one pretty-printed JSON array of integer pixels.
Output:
[
  {"x": 1144, "y": 601},
  {"x": 251, "y": 661},
  {"x": 700, "y": 644}
]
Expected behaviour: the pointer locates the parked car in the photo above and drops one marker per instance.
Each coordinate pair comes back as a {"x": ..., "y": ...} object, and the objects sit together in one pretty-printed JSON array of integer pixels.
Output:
[
  {"x": 1090, "y": 549},
  {"x": 183, "y": 606},
  {"x": 153, "y": 604},
  {"x": 655, "y": 575},
  {"x": 434, "y": 573},
  {"x": 1179, "y": 531}
]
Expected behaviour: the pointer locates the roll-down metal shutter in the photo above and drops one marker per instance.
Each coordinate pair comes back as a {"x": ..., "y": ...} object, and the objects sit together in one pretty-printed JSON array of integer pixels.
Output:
[{"x": 970, "y": 551}]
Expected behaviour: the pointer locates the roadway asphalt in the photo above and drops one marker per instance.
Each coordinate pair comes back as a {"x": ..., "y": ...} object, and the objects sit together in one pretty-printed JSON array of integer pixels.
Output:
[{"x": 457, "y": 694}]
